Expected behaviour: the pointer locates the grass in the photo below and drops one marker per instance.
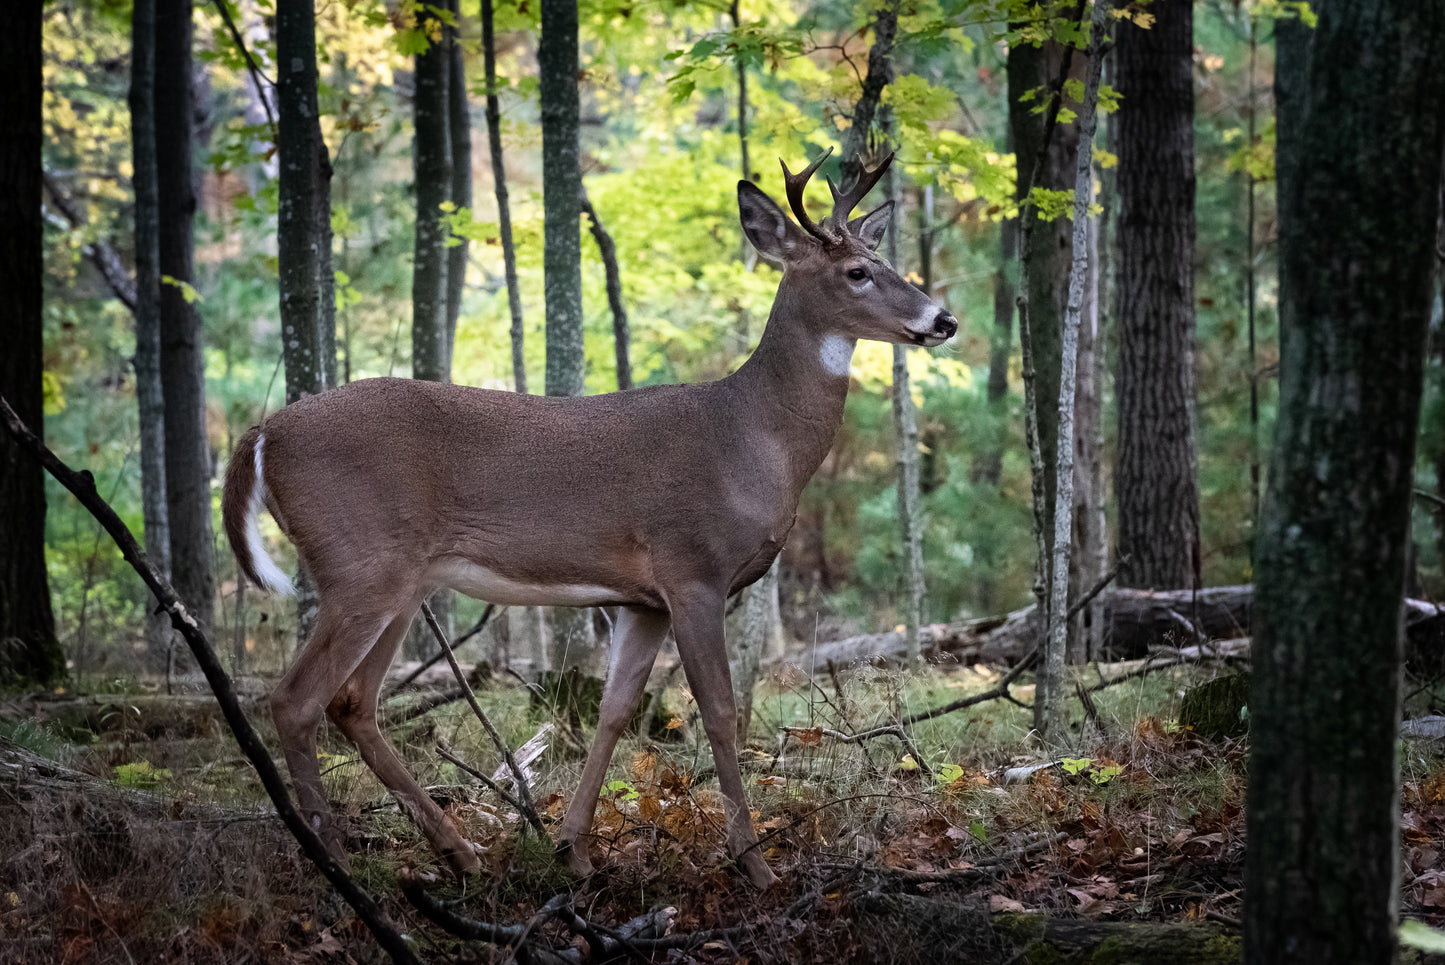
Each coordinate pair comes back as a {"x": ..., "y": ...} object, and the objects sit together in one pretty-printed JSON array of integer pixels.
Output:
[{"x": 186, "y": 865}]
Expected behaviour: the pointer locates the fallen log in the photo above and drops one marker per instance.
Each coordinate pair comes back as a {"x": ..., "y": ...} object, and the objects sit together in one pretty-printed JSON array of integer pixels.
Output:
[{"x": 1136, "y": 623}]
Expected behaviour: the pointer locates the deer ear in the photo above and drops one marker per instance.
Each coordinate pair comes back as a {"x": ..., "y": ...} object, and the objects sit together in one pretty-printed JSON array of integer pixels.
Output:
[
  {"x": 871, "y": 227},
  {"x": 771, "y": 231}
]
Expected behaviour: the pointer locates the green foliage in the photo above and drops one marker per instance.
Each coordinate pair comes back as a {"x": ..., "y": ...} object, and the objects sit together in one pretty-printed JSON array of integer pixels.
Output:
[{"x": 141, "y": 775}]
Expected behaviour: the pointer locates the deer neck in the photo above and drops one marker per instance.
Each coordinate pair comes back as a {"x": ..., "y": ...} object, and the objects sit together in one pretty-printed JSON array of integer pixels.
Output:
[{"x": 791, "y": 392}]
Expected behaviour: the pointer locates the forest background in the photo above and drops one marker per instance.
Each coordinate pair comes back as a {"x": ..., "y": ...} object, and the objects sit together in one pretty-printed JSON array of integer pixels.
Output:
[{"x": 661, "y": 155}]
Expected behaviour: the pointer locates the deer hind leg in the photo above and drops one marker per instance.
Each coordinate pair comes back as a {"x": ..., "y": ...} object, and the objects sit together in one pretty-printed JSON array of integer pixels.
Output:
[
  {"x": 638, "y": 636},
  {"x": 698, "y": 622},
  {"x": 338, "y": 644},
  {"x": 353, "y": 711}
]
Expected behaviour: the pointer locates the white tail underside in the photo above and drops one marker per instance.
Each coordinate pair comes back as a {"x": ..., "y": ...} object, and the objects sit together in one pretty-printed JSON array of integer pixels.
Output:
[{"x": 273, "y": 579}]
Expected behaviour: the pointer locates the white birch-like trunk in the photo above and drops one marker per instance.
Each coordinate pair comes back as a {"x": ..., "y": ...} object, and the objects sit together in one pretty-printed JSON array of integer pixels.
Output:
[{"x": 1050, "y": 717}]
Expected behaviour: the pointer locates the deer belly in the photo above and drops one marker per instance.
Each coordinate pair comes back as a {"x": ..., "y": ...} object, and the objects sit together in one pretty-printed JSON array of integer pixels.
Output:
[{"x": 478, "y": 581}]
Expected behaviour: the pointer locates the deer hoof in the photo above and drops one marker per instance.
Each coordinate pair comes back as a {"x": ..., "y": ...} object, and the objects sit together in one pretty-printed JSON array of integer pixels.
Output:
[
  {"x": 574, "y": 854},
  {"x": 757, "y": 871},
  {"x": 463, "y": 861}
]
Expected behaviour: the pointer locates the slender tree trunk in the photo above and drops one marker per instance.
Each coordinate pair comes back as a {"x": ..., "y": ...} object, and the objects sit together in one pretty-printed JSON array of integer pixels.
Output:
[
  {"x": 430, "y": 328},
  {"x": 990, "y": 463},
  {"x": 746, "y": 167},
  {"x": 1155, "y": 481},
  {"x": 905, "y": 433},
  {"x": 29, "y": 652},
  {"x": 298, "y": 234},
  {"x": 459, "y": 118},
  {"x": 1357, "y": 95},
  {"x": 1050, "y": 244},
  {"x": 150, "y": 400},
  {"x": 1090, "y": 544},
  {"x": 187, "y": 450},
  {"x": 572, "y": 640},
  {"x": 432, "y": 158},
  {"x": 620, "y": 335},
  {"x": 562, "y": 197},
  {"x": 1050, "y": 701},
  {"x": 504, "y": 211}
]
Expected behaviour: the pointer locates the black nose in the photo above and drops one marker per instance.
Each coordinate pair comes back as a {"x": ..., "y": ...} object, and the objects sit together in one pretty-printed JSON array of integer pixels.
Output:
[{"x": 945, "y": 324}]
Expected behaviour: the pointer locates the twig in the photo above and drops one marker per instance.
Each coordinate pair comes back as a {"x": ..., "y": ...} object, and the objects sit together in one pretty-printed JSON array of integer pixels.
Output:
[
  {"x": 463, "y": 765},
  {"x": 889, "y": 730},
  {"x": 101, "y": 252},
  {"x": 977, "y": 869},
  {"x": 528, "y": 809},
  {"x": 82, "y": 484},
  {"x": 432, "y": 661},
  {"x": 251, "y": 65},
  {"x": 1001, "y": 690},
  {"x": 1430, "y": 497}
]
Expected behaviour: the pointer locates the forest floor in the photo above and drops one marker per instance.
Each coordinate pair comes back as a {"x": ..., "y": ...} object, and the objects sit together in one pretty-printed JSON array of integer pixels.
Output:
[{"x": 131, "y": 830}]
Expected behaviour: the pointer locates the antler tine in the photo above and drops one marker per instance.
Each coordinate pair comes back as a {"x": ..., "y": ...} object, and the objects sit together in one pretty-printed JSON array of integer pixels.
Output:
[
  {"x": 845, "y": 202},
  {"x": 795, "y": 185}
]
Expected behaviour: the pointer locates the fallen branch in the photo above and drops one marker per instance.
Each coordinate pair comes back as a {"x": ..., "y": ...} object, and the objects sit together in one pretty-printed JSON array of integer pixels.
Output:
[
  {"x": 524, "y": 793},
  {"x": 976, "y": 869},
  {"x": 82, "y": 485},
  {"x": 463, "y": 765},
  {"x": 1223, "y": 650},
  {"x": 432, "y": 661},
  {"x": 811, "y": 735}
]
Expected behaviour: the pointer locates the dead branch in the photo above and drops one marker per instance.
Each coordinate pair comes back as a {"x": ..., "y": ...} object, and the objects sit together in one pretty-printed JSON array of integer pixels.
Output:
[
  {"x": 976, "y": 869},
  {"x": 524, "y": 792},
  {"x": 447, "y": 755},
  {"x": 107, "y": 261},
  {"x": 807, "y": 734},
  {"x": 82, "y": 485},
  {"x": 431, "y": 661}
]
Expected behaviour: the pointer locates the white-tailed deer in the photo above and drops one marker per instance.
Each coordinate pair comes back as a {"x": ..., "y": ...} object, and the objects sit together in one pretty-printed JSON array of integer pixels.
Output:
[{"x": 662, "y": 501}]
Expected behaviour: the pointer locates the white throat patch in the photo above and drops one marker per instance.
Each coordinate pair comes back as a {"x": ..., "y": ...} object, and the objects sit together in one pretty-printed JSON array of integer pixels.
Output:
[{"x": 836, "y": 354}]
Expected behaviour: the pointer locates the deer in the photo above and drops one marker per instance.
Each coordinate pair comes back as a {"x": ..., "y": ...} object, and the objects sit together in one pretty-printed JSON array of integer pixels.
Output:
[{"x": 661, "y": 501}]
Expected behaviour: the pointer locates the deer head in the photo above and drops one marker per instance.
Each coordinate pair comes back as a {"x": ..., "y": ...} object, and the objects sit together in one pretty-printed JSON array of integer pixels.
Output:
[{"x": 835, "y": 263}]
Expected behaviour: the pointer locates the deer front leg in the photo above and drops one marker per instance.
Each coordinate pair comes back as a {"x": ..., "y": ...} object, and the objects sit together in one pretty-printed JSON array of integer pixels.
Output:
[
  {"x": 636, "y": 639},
  {"x": 697, "y": 620}
]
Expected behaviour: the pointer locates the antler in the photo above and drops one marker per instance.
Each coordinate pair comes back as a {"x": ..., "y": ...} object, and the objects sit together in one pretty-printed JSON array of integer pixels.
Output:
[
  {"x": 844, "y": 203},
  {"x": 835, "y": 225},
  {"x": 795, "y": 184}
]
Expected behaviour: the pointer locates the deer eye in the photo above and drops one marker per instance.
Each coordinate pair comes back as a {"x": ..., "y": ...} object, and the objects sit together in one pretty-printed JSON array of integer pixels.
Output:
[{"x": 857, "y": 274}]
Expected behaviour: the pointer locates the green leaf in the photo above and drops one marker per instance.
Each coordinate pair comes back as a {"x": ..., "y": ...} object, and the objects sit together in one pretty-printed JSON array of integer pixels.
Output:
[
  {"x": 188, "y": 291},
  {"x": 1417, "y": 934},
  {"x": 1073, "y": 765}
]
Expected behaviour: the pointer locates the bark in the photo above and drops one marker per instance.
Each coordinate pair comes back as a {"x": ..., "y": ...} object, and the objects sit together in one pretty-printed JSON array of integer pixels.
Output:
[
  {"x": 149, "y": 395},
  {"x": 29, "y": 651},
  {"x": 432, "y": 162},
  {"x": 746, "y": 168},
  {"x": 1155, "y": 480},
  {"x": 561, "y": 197},
  {"x": 430, "y": 326},
  {"x": 298, "y": 235},
  {"x": 1005, "y": 286},
  {"x": 621, "y": 337},
  {"x": 1090, "y": 533},
  {"x": 1050, "y": 708},
  {"x": 1048, "y": 246},
  {"x": 459, "y": 124},
  {"x": 504, "y": 210},
  {"x": 187, "y": 450},
  {"x": 745, "y": 652},
  {"x": 1357, "y": 95}
]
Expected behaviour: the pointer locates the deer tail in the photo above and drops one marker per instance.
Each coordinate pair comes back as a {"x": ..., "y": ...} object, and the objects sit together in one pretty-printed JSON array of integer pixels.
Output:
[{"x": 242, "y": 500}]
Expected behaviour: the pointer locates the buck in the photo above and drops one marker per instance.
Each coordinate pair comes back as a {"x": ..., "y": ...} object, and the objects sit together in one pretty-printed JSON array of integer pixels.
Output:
[{"x": 661, "y": 501}]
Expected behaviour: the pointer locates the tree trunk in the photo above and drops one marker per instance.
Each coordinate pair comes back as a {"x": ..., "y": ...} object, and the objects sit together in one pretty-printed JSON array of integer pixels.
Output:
[
  {"x": 150, "y": 399},
  {"x": 504, "y": 210},
  {"x": 187, "y": 450},
  {"x": 1005, "y": 287},
  {"x": 561, "y": 197},
  {"x": 430, "y": 323},
  {"x": 1357, "y": 95},
  {"x": 432, "y": 162},
  {"x": 1050, "y": 707},
  {"x": 29, "y": 652},
  {"x": 298, "y": 230},
  {"x": 459, "y": 123},
  {"x": 571, "y": 630},
  {"x": 1050, "y": 248},
  {"x": 621, "y": 338},
  {"x": 1155, "y": 481},
  {"x": 1090, "y": 538}
]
